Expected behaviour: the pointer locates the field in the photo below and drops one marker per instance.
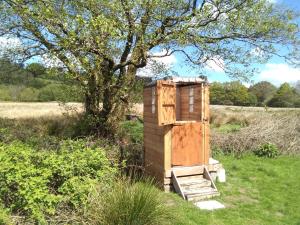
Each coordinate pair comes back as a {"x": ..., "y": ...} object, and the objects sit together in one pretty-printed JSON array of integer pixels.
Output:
[
  {"x": 259, "y": 190},
  {"x": 33, "y": 109}
]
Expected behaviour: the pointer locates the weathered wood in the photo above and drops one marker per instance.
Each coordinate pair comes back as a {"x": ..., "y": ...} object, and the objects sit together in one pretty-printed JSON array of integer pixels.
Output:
[
  {"x": 174, "y": 134},
  {"x": 185, "y": 171},
  {"x": 176, "y": 185},
  {"x": 207, "y": 176},
  {"x": 186, "y": 144},
  {"x": 166, "y": 102}
]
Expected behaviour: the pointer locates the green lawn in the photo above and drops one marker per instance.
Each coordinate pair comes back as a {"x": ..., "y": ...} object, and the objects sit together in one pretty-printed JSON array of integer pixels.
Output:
[{"x": 258, "y": 191}]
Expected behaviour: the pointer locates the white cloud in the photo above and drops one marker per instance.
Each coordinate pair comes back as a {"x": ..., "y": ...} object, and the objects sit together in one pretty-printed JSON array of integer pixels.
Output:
[
  {"x": 215, "y": 64},
  {"x": 9, "y": 44},
  {"x": 157, "y": 63},
  {"x": 257, "y": 52},
  {"x": 279, "y": 73}
]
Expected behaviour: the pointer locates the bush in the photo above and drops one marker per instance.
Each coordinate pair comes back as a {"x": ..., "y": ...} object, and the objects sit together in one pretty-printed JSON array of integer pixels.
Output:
[
  {"x": 4, "y": 217},
  {"x": 130, "y": 203},
  {"x": 28, "y": 95},
  {"x": 38, "y": 83},
  {"x": 33, "y": 183},
  {"x": 60, "y": 92},
  {"x": 267, "y": 150},
  {"x": 4, "y": 93}
]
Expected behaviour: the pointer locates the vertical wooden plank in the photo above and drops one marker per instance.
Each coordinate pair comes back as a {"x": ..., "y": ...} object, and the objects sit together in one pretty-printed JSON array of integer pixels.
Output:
[
  {"x": 178, "y": 104},
  {"x": 206, "y": 102},
  {"x": 167, "y": 147}
]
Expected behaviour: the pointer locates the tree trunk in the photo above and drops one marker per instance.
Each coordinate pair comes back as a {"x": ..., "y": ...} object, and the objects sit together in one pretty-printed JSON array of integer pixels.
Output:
[
  {"x": 92, "y": 97},
  {"x": 114, "y": 96}
]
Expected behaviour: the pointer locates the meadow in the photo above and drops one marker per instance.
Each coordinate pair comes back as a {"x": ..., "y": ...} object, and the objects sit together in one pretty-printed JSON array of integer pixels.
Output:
[{"x": 53, "y": 174}]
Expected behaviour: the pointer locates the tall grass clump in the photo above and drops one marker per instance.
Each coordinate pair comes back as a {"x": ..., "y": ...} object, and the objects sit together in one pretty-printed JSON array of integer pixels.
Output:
[
  {"x": 130, "y": 203},
  {"x": 281, "y": 128}
]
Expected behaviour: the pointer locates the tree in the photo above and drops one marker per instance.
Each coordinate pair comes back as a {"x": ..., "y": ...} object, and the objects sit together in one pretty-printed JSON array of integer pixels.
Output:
[
  {"x": 102, "y": 43},
  {"x": 286, "y": 96},
  {"x": 36, "y": 69},
  {"x": 11, "y": 72},
  {"x": 297, "y": 86},
  {"x": 238, "y": 94},
  {"x": 217, "y": 93},
  {"x": 263, "y": 91}
]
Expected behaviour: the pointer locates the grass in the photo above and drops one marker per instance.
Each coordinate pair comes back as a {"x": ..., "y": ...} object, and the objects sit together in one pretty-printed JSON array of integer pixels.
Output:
[
  {"x": 228, "y": 128},
  {"x": 258, "y": 191}
]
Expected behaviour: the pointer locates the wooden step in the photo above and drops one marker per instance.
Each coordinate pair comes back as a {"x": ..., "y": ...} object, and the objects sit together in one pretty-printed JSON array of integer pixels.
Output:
[
  {"x": 200, "y": 191},
  {"x": 201, "y": 182},
  {"x": 195, "y": 177},
  {"x": 199, "y": 197},
  {"x": 195, "y": 187}
]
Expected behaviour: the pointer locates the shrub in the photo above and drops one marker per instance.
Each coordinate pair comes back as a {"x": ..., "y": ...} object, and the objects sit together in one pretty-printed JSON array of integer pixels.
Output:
[
  {"x": 38, "y": 83},
  {"x": 268, "y": 150},
  {"x": 4, "y": 217},
  {"x": 28, "y": 95},
  {"x": 133, "y": 130},
  {"x": 33, "y": 183},
  {"x": 4, "y": 93},
  {"x": 60, "y": 92},
  {"x": 130, "y": 203}
]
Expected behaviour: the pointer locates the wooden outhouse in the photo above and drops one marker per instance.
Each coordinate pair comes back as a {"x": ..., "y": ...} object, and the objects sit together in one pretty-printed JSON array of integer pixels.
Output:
[{"x": 176, "y": 132}]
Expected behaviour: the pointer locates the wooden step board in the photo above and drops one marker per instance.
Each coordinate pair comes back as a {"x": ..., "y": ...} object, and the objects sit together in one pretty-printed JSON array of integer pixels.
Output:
[{"x": 194, "y": 187}]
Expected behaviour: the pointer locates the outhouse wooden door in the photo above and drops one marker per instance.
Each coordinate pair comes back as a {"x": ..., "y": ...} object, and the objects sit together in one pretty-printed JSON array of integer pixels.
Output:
[
  {"x": 186, "y": 144},
  {"x": 166, "y": 102}
]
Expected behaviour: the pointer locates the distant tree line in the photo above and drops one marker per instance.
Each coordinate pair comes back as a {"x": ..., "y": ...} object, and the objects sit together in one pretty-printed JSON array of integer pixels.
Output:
[
  {"x": 34, "y": 82},
  {"x": 260, "y": 94}
]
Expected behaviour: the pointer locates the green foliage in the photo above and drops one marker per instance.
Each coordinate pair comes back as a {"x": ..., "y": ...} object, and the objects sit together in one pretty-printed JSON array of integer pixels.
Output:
[
  {"x": 268, "y": 150},
  {"x": 120, "y": 38},
  {"x": 286, "y": 96},
  {"x": 4, "y": 93},
  {"x": 36, "y": 69},
  {"x": 59, "y": 92},
  {"x": 28, "y": 95},
  {"x": 4, "y": 216},
  {"x": 34, "y": 182},
  {"x": 133, "y": 130},
  {"x": 231, "y": 93},
  {"x": 127, "y": 203},
  {"x": 229, "y": 128},
  {"x": 263, "y": 91},
  {"x": 217, "y": 94}
]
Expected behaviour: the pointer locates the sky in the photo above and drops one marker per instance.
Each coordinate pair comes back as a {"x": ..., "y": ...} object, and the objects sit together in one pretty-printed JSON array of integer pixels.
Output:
[{"x": 276, "y": 70}]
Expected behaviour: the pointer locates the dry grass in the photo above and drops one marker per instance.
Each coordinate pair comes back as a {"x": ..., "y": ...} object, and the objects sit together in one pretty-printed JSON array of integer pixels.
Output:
[
  {"x": 280, "y": 127},
  {"x": 259, "y": 125},
  {"x": 15, "y": 110}
]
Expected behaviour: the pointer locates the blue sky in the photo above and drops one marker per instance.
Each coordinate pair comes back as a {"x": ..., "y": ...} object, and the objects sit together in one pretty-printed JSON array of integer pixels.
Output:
[{"x": 276, "y": 70}]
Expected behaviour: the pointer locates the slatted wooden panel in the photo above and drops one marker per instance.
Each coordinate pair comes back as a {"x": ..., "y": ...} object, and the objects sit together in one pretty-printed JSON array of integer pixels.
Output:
[
  {"x": 185, "y": 114},
  {"x": 166, "y": 102},
  {"x": 154, "y": 150}
]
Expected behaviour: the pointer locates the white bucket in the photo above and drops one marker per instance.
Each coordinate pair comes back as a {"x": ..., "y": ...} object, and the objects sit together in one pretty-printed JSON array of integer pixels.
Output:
[{"x": 221, "y": 175}]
